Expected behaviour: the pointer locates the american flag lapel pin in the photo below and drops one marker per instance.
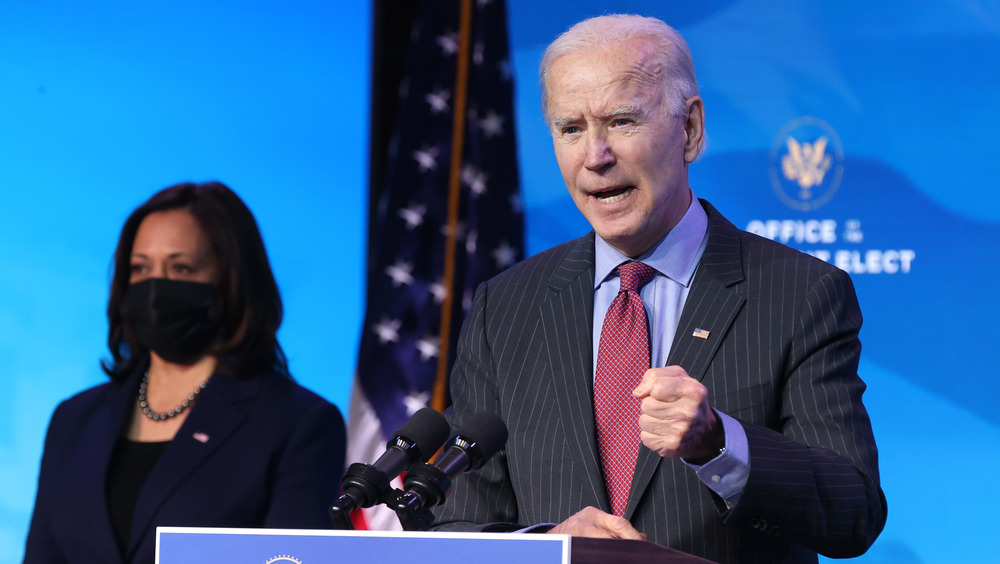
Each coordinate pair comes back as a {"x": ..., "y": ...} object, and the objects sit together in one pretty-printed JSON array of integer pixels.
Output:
[
  {"x": 200, "y": 437},
  {"x": 701, "y": 333}
]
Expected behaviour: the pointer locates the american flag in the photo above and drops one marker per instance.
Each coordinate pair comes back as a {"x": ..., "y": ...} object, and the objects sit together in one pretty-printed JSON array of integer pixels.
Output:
[{"x": 457, "y": 84}]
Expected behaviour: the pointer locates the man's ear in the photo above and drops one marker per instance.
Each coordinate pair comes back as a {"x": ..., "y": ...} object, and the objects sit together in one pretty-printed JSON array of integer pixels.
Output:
[{"x": 694, "y": 128}]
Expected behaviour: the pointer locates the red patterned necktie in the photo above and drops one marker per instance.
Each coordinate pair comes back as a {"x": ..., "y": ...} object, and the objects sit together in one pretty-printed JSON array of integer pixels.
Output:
[{"x": 622, "y": 358}]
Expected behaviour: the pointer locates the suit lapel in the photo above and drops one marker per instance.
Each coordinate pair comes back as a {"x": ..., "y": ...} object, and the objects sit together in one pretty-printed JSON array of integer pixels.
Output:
[
  {"x": 213, "y": 419},
  {"x": 712, "y": 305},
  {"x": 714, "y": 300},
  {"x": 119, "y": 401},
  {"x": 568, "y": 332}
]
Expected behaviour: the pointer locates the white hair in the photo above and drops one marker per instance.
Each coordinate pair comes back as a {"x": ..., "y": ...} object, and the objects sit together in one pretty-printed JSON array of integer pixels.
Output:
[{"x": 672, "y": 57}]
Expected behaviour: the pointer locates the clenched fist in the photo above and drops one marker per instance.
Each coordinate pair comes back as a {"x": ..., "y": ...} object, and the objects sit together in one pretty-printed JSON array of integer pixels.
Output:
[{"x": 676, "y": 420}]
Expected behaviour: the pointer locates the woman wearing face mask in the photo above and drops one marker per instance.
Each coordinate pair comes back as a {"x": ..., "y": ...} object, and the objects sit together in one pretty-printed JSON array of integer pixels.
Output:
[{"x": 201, "y": 424}]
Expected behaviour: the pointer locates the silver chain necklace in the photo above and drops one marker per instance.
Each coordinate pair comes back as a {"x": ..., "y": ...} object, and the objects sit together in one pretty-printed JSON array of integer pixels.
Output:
[{"x": 173, "y": 412}]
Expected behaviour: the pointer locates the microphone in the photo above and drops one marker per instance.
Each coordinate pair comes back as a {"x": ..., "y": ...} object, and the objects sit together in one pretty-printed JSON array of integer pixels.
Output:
[
  {"x": 479, "y": 437},
  {"x": 365, "y": 485}
]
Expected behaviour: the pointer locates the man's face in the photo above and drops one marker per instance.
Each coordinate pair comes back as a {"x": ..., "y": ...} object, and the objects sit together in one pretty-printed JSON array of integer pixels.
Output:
[{"x": 623, "y": 158}]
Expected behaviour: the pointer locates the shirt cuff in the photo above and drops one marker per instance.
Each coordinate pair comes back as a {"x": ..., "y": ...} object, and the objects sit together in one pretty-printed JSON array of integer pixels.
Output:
[
  {"x": 727, "y": 473},
  {"x": 539, "y": 528}
]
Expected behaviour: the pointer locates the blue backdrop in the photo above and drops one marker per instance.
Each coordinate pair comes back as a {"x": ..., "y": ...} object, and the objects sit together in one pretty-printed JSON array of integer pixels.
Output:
[{"x": 859, "y": 131}]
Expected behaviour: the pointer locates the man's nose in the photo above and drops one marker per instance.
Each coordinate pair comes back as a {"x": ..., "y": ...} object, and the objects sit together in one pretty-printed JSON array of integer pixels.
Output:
[{"x": 599, "y": 153}]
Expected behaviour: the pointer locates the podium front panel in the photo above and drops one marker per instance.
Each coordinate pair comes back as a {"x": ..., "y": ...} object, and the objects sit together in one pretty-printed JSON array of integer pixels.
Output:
[{"x": 191, "y": 545}]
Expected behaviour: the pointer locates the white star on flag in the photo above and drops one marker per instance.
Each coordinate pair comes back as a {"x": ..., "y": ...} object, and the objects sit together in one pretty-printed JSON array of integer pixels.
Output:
[
  {"x": 475, "y": 179},
  {"x": 448, "y": 43},
  {"x": 439, "y": 292},
  {"x": 428, "y": 347},
  {"x": 415, "y": 401},
  {"x": 470, "y": 242},
  {"x": 492, "y": 124},
  {"x": 427, "y": 159},
  {"x": 388, "y": 330},
  {"x": 400, "y": 272},
  {"x": 438, "y": 101},
  {"x": 505, "y": 255},
  {"x": 413, "y": 215}
]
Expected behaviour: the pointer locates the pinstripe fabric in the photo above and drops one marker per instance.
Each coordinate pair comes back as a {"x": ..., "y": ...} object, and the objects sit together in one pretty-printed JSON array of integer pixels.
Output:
[{"x": 781, "y": 358}]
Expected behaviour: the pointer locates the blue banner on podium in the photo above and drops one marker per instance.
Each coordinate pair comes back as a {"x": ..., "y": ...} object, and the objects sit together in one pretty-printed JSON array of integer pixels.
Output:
[{"x": 186, "y": 545}]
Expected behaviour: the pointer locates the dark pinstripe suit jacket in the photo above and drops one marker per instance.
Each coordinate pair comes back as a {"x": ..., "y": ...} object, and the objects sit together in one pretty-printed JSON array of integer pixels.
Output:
[{"x": 781, "y": 358}]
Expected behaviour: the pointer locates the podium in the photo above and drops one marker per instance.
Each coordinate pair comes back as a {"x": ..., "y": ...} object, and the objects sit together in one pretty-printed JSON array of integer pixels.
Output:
[{"x": 187, "y": 545}]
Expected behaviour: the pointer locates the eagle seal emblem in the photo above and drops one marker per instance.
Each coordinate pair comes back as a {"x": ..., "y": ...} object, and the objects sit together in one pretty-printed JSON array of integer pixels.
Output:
[{"x": 806, "y": 163}]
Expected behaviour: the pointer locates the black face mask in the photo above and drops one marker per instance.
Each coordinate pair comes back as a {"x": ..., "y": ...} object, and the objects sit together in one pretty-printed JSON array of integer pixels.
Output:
[{"x": 172, "y": 317}]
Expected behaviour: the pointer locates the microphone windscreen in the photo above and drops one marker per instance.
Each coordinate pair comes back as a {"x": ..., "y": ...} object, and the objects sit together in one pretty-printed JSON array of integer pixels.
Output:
[
  {"x": 488, "y": 432},
  {"x": 427, "y": 430}
]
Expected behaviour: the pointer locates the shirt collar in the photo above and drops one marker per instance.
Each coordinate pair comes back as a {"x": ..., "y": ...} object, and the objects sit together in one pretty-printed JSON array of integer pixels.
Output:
[{"x": 674, "y": 256}]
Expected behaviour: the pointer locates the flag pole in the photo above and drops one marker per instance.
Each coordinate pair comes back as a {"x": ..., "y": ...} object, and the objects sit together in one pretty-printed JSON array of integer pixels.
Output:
[{"x": 438, "y": 400}]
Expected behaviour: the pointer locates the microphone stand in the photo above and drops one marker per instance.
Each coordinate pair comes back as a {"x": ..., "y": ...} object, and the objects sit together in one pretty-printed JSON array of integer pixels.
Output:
[
  {"x": 427, "y": 486},
  {"x": 362, "y": 481},
  {"x": 413, "y": 516},
  {"x": 411, "y": 508},
  {"x": 341, "y": 518}
]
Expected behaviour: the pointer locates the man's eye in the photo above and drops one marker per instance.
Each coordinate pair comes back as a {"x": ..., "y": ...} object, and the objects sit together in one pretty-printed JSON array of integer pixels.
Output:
[
  {"x": 571, "y": 130},
  {"x": 621, "y": 122}
]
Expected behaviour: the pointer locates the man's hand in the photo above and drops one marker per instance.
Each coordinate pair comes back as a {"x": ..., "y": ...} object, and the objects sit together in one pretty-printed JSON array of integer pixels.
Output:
[
  {"x": 676, "y": 420},
  {"x": 594, "y": 523}
]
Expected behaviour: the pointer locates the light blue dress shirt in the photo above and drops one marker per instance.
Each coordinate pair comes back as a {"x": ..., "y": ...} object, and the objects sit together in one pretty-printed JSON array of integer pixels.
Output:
[{"x": 675, "y": 259}]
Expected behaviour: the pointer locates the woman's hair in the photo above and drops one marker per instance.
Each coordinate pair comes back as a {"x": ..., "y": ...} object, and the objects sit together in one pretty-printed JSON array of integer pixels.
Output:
[
  {"x": 247, "y": 295},
  {"x": 674, "y": 65}
]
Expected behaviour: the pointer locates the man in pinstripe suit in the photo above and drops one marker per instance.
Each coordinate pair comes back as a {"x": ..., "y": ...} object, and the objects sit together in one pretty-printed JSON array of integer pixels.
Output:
[{"x": 756, "y": 446}]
